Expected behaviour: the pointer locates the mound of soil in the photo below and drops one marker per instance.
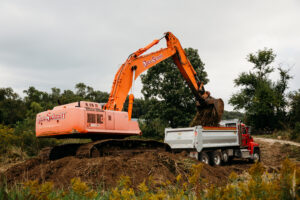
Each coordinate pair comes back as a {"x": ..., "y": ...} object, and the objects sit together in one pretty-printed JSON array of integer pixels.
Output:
[{"x": 162, "y": 166}]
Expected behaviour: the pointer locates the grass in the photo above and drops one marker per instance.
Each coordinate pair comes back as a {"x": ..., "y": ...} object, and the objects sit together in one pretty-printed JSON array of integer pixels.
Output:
[{"x": 293, "y": 151}]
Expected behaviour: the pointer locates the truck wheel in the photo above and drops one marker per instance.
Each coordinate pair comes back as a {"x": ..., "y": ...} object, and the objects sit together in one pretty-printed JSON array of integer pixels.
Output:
[
  {"x": 204, "y": 158},
  {"x": 225, "y": 157},
  {"x": 256, "y": 156},
  {"x": 217, "y": 158}
]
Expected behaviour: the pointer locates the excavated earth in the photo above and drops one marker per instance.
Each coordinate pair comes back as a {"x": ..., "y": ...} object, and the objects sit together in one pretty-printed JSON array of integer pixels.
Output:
[
  {"x": 161, "y": 166},
  {"x": 106, "y": 171}
]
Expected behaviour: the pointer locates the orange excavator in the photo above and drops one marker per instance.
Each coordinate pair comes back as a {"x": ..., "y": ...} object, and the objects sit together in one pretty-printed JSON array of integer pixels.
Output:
[{"x": 106, "y": 124}]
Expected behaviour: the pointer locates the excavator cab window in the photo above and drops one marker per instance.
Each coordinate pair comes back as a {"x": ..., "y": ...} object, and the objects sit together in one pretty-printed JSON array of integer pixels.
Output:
[
  {"x": 99, "y": 119},
  {"x": 91, "y": 118}
]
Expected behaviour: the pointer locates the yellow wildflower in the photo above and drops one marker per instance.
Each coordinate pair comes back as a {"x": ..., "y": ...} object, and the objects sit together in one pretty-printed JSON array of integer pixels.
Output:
[{"x": 143, "y": 187}]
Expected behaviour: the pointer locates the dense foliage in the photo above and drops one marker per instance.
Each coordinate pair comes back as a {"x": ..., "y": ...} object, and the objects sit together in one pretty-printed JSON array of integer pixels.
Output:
[
  {"x": 233, "y": 115},
  {"x": 294, "y": 114},
  {"x": 168, "y": 98}
]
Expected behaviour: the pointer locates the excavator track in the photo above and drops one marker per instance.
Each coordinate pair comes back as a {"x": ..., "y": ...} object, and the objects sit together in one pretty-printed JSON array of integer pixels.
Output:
[
  {"x": 119, "y": 146},
  {"x": 57, "y": 152},
  {"x": 103, "y": 148}
]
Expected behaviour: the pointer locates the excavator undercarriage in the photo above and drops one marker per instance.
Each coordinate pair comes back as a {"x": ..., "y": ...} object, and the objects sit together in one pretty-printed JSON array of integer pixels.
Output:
[{"x": 103, "y": 148}]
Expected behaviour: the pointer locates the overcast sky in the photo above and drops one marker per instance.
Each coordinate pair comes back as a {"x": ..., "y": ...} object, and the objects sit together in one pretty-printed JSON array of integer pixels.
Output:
[{"x": 49, "y": 44}]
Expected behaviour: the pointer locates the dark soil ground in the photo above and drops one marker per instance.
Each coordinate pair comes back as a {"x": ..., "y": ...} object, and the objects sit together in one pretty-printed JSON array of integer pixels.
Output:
[{"x": 161, "y": 166}]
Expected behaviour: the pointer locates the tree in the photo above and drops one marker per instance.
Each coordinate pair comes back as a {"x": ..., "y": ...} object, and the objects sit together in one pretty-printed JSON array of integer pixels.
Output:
[
  {"x": 281, "y": 98},
  {"x": 34, "y": 95},
  {"x": 167, "y": 95},
  {"x": 232, "y": 115},
  {"x": 69, "y": 96},
  {"x": 85, "y": 92},
  {"x": 12, "y": 108},
  {"x": 294, "y": 114},
  {"x": 139, "y": 109},
  {"x": 263, "y": 100}
]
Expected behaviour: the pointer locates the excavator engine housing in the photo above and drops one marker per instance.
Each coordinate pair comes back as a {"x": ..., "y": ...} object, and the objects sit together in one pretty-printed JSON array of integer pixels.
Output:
[{"x": 85, "y": 119}]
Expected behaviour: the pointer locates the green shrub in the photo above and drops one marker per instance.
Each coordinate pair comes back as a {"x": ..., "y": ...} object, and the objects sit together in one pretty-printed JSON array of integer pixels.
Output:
[{"x": 295, "y": 135}]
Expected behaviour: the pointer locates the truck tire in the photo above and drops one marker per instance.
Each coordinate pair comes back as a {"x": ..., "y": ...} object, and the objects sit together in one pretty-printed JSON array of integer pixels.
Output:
[
  {"x": 256, "y": 156},
  {"x": 217, "y": 158},
  {"x": 225, "y": 157},
  {"x": 204, "y": 158}
]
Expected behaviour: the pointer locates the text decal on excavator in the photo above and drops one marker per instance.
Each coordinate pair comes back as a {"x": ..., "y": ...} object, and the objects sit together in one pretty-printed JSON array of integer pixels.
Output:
[
  {"x": 51, "y": 116},
  {"x": 153, "y": 60}
]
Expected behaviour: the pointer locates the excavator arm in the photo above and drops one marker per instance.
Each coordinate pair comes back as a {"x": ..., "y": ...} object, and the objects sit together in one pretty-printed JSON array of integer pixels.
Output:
[{"x": 138, "y": 63}]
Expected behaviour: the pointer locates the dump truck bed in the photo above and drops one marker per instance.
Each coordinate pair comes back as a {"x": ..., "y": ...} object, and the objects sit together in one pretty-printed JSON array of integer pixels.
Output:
[{"x": 198, "y": 137}]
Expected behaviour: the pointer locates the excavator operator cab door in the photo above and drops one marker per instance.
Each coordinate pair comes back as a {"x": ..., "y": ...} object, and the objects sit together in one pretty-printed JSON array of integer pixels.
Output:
[{"x": 110, "y": 120}]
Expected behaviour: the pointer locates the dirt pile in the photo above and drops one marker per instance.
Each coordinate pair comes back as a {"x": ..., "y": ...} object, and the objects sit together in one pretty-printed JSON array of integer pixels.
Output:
[
  {"x": 107, "y": 171},
  {"x": 162, "y": 166}
]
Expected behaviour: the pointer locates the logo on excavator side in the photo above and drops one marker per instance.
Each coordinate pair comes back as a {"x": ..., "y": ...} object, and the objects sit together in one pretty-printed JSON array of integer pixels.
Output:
[
  {"x": 50, "y": 117},
  {"x": 153, "y": 60}
]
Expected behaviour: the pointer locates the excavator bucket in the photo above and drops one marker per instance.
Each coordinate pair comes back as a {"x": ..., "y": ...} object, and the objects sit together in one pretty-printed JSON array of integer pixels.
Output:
[{"x": 209, "y": 113}]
